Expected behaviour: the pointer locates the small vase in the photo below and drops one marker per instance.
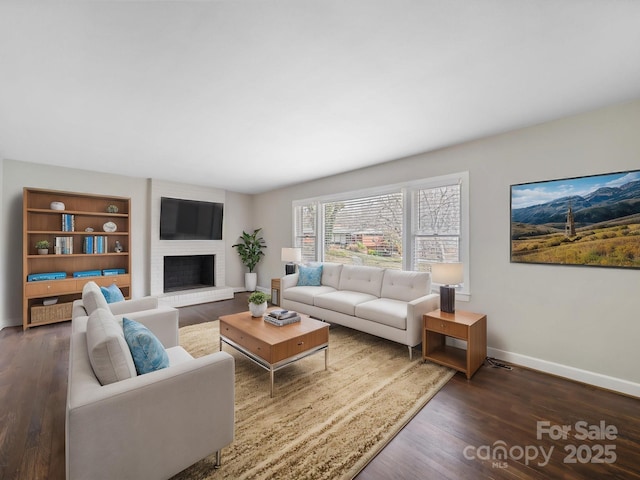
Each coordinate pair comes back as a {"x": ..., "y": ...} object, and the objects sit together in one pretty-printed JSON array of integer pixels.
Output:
[
  {"x": 43, "y": 251},
  {"x": 258, "y": 309}
]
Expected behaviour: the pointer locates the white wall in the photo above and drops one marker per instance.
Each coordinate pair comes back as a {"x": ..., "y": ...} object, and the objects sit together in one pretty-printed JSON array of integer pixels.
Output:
[
  {"x": 238, "y": 217},
  {"x": 18, "y": 174},
  {"x": 4, "y": 240},
  {"x": 578, "y": 322}
]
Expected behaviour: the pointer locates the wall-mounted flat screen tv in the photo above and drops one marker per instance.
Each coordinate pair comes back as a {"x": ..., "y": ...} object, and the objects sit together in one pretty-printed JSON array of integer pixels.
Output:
[{"x": 182, "y": 219}]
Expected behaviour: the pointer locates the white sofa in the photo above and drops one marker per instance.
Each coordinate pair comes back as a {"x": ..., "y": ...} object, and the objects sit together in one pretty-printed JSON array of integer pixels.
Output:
[
  {"x": 149, "y": 426},
  {"x": 383, "y": 302}
]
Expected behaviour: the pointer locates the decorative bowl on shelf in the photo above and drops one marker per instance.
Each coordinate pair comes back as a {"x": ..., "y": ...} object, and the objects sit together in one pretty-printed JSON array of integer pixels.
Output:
[
  {"x": 57, "y": 206},
  {"x": 109, "y": 227}
]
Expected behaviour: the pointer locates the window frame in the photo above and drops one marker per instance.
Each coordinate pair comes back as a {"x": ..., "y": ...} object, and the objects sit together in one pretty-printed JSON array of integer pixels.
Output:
[{"x": 409, "y": 223}]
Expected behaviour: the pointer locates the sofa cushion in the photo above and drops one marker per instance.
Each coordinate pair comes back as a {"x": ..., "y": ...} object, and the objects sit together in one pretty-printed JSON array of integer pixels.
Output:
[
  {"x": 109, "y": 353},
  {"x": 305, "y": 294},
  {"x": 148, "y": 353},
  {"x": 385, "y": 311},
  {"x": 309, "y": 276},
  {"x": 342, "y": 301},
  {"x": 331, "y": 274},
  {"x": 112, "y": 293},
  {"x": 92, "y": 297},
  {"x": 358, "y": 278},
  {"x": 404, "y": 285}
]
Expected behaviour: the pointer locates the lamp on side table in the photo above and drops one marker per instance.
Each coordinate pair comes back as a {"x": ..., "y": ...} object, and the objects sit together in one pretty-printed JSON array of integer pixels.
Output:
[
  {"x": 291, "y": 256},
  {"x": 449, "y": 275}
]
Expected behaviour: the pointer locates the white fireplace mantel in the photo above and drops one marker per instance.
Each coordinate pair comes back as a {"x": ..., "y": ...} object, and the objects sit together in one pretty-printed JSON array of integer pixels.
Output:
[{"x": 161, "y": 248}]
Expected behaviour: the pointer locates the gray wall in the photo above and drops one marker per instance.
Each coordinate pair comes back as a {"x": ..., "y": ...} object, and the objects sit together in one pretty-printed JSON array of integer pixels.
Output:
[{"x": 579, "y": 322}]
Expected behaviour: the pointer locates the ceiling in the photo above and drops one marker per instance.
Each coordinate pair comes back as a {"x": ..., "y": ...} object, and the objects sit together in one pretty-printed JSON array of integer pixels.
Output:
[{"x": 253, "y": 95}]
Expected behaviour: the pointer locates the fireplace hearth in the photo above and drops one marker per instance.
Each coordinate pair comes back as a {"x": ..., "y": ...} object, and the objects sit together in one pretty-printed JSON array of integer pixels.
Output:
[{"x": 186, "y": 272}]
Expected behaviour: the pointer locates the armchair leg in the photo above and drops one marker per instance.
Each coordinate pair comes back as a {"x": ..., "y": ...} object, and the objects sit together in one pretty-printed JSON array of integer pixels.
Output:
[
  {"x": 218, "y": 459},
  {"x": 410, "y": 353}
]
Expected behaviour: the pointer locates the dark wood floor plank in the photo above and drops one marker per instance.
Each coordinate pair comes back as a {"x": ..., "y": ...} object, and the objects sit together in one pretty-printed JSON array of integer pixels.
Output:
[{"x": 496, "y": 405}]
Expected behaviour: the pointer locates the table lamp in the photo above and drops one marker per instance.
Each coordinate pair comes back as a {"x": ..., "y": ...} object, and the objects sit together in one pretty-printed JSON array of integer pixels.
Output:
[
  {"x": 291, "y": 256},
  {"x": 449, "y": 275}
]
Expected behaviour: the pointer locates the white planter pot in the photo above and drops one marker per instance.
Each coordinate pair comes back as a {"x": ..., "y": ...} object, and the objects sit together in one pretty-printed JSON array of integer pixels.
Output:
[
  {"x": 258, "y": 310},
  {"x": 250, "y": 281}
]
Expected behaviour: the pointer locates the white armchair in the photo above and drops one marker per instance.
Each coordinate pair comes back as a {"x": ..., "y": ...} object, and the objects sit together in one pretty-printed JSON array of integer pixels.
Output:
[
  {"x": 149, "y": 426},
  {"x": 143, "y": 310}
]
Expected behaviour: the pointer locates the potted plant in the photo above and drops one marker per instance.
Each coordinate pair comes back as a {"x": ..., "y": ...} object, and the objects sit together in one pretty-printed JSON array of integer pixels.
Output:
[
  {"x": 258, "y": 303},
  {"x": 250, "y": 251},
  {"x": 43, "y": 247}
]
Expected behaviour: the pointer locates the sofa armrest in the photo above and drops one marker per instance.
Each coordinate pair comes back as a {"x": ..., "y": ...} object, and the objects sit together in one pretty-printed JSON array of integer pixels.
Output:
[
  {"x": 162, "y": 321},
  {"x": 133, "y": 305},
  {"x": 146, "y": 426},
  {"x": 415, "y": 309},
  {"x": 289, "y": 281},
  {"x": 422, "y": 305},
  {"x": 78, "y": 310}
]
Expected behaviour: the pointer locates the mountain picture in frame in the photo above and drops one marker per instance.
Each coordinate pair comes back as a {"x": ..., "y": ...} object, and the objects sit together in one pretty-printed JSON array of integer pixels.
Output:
[{"x": 590, "y": 221}]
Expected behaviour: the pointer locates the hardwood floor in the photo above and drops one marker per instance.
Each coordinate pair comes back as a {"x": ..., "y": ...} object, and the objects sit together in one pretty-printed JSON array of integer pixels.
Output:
[{"x": 449, "y": 438}]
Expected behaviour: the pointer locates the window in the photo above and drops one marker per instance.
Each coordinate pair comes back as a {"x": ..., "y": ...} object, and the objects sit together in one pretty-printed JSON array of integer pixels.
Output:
[
  {"x": 305, "y": 228},
  {"x": 436, "y": 233},
  {"x": 408, "y": 226},
  {"x": 364, "y": 230}
]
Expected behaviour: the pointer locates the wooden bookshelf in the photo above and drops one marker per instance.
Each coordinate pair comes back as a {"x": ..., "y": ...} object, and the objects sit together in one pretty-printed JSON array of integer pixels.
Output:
[{"x": 41, "y": 222}]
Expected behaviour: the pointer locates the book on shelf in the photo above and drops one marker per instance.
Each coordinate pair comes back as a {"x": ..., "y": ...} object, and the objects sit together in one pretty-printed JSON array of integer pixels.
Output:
[
  {"x": 282, "y": 313},
  {"x": 63, "y": 245},
  {"x": 113, "y": 271},
  {"x": 87, "y": 273},
  {"x": 95, "y": 244},
  {"x": 35, "y": 277},
  {"x": 281, "y": 322},
  {"x": 68, "y": 222},
  {"x": 87, "y": 246}
]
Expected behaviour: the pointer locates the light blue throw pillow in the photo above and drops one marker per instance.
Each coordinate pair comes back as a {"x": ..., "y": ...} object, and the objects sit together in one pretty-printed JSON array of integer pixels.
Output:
[
  {"x": 112, "y": 293},
  {"x": 309, "y": 276},
  {"x": 148, "y": 353}
]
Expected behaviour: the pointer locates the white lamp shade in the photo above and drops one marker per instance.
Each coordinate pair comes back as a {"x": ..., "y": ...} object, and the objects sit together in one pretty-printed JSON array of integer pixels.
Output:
[
  {"x": 291, "y": 255},
  {"x": 447, "y": 273}
]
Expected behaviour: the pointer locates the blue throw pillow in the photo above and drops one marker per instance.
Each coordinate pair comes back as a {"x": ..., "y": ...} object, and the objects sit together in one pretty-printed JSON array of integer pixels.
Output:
[
  {"x": 112, "y": 293},
  {"x": 309, "y": 276},
  {"x": 148, "y": 353}
]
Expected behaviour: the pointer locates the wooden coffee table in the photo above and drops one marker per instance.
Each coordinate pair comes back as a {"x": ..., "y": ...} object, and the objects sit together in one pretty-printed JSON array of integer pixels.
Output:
[{"x": 273, "y": 347}]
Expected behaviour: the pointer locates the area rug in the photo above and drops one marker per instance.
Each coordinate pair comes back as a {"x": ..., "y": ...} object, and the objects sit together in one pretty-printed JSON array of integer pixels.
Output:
[{"x": 321, "y": 424}]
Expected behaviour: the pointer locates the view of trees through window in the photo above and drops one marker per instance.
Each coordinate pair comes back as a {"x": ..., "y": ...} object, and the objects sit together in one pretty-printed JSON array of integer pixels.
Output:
[
  {"x": 364, "y": 231},
  {"x": 368, "y": 230},
  {"x": 437, "y": 229}
]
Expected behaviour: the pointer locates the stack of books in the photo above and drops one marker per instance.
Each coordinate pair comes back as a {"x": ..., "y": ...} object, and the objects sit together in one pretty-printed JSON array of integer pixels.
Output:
[
  {"x": 95, "y": 244},
  {"x": 282, "y": 317},
  {"x": 63, "y": 245},
  {"x": 68, "y": 222}
]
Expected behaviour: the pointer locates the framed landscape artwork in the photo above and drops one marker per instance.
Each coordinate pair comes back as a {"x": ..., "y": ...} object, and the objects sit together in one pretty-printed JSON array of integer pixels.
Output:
[{"x": 593, "y": 221}]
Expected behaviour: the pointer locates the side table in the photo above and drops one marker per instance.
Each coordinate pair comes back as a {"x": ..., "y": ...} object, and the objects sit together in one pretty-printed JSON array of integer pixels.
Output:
[
  {"x": 468, "y": 326},
  {"x": 275, "y": 291}
]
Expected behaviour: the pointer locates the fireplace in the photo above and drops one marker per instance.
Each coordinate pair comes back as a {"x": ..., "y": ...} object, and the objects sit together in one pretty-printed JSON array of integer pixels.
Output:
[{"x": 186, "y": 272}]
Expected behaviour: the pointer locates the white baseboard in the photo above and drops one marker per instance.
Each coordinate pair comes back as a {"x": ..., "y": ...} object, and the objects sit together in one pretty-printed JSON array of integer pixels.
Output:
[{"x": 584, "y": 376}]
